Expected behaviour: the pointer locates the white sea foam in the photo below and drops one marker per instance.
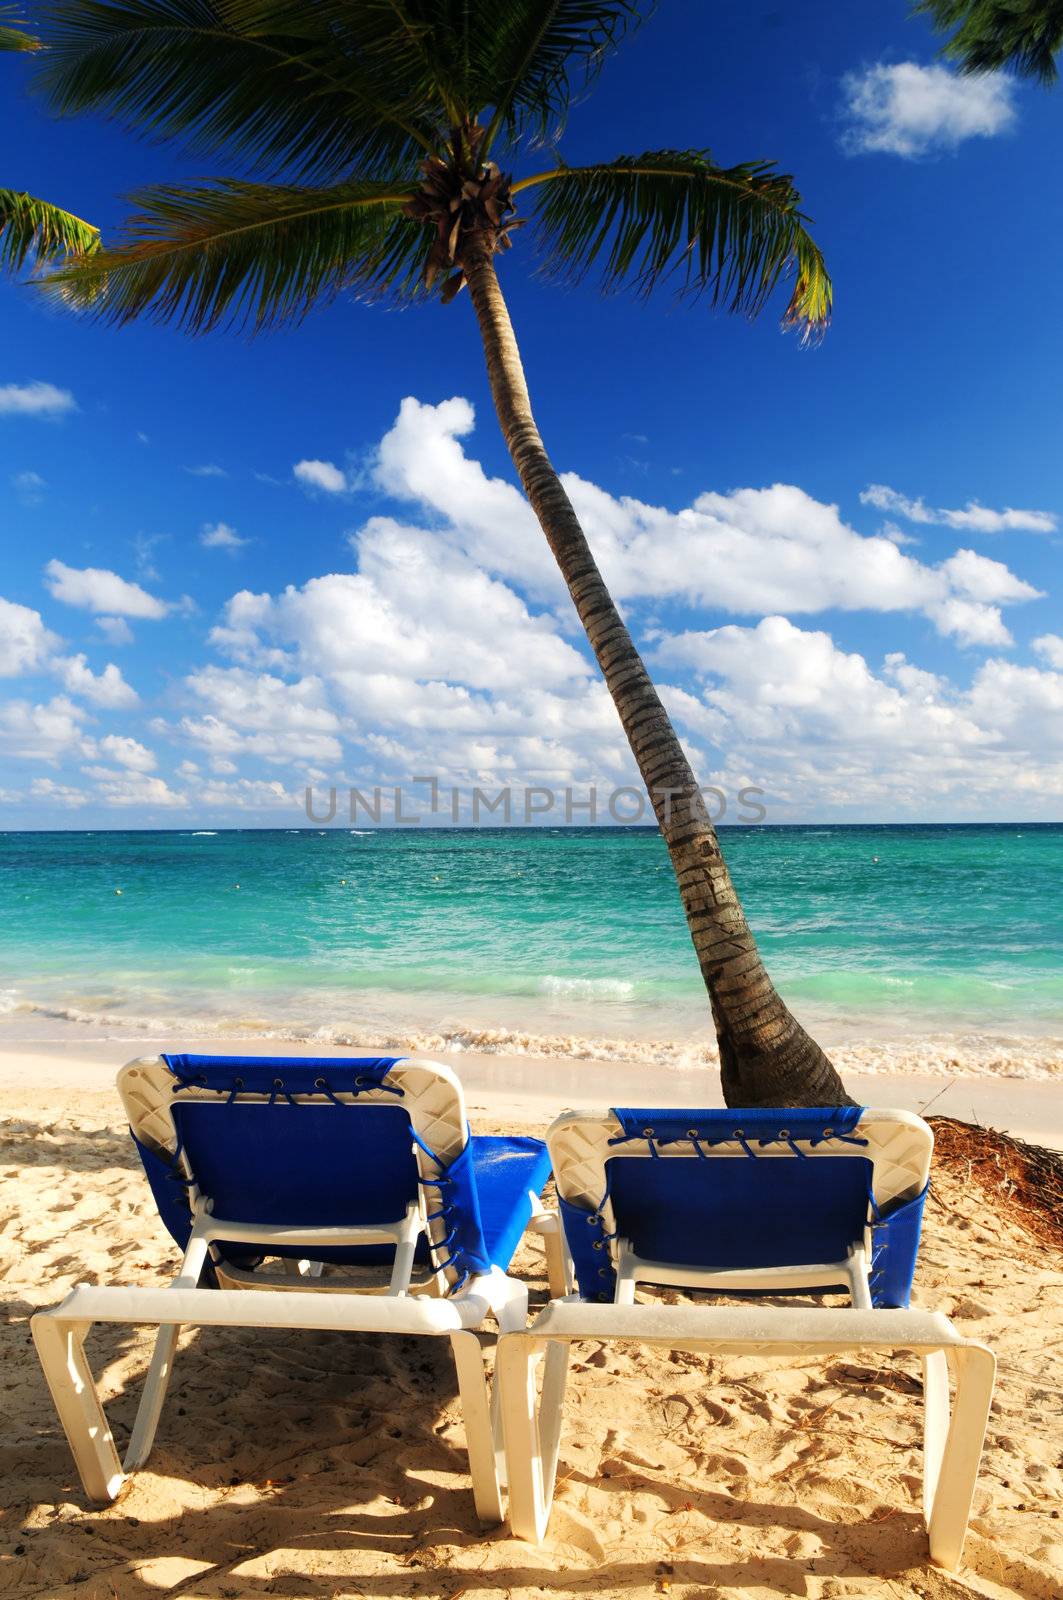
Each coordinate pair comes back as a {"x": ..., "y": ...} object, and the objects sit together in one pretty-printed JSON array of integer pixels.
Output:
[
  {"x": 586, "y": 988},
  {"x": 969, "y": 1055},
  {"x": 205, "y": 833}
]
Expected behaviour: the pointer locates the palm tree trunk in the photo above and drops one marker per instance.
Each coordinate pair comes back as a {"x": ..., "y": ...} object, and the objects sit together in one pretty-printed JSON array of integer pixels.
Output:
[{"x": 766, "y": 1057}]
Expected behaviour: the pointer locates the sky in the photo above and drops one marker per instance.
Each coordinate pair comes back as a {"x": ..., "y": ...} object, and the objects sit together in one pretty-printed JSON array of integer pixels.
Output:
[{"x": 234, "y": 567}]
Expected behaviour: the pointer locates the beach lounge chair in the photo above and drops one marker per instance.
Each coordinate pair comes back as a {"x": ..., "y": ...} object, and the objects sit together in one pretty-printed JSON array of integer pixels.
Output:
[
  {"x": 763, "y": 1200},
  {"x": 363, "y": 1165}
]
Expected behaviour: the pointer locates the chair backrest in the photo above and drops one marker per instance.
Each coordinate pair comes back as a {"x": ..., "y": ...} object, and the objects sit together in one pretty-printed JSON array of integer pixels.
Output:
[
  {"x": 305, "y": 1142},
  {"x": 734, "y": 1189}
]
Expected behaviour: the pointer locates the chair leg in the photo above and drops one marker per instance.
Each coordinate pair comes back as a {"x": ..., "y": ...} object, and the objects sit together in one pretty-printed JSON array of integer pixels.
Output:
[
  {"x": 950, "y": 1502},
  {"x": 936, "y": 1416},
  {"x": 529, "y": 1507},
  {"x": 60, "y": 1347},
  {"x": 153, "y": 1397},
  {"x": 625, "y": 1280},
  {"x": 405, "y": 1251},
  {"x": 479, "y": 1434},
  {"x": 552, "y": 1411},
  {"x": 532, "y": 1430},
  {"x": 558, "y": 1270}
]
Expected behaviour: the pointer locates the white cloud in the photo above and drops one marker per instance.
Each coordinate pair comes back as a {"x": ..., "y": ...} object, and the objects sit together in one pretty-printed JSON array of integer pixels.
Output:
[
  {"x": 28, "y": 485},
  {"x": 134, "y": 789},
  {"x": 25, "y": 643},
  {"x": 210, "y": 470},
  {"x": 261, "y": 715},
  {"x": 324, "y": 475},
  {"x": 35, "y": 400},
  {"x": 824, "y": 733},
  {"x": 883, "y": 498},
  {"x": 971, "y": 622},
  {"x": 778, "y": 681},
  {"x": 107, "y": 689},
  {"x": 1050, "y": 648},
  {"x": 248, "y": 794},
  {"x": 416, "y": 609},
  {"x": 96, "y": 589},
  {"x": 43, "y": 732},
  {"x": 436, "y": 665},
  {"x": 450, "y": 648},
  {"x": 977, "y": 518},
  {"x": 219, "y": 536},
  {"x": 753, "y": 551},
  {"x": 115, "y": 629},
  {"x": 129, "y": 753},
  {"x": 421, "y": 459},
  {"x": 980, "y": 578},
  {"x": 908, "y": 110},
  {"x": 983, "y": 519},
  {"x": 58, "y": 794}
]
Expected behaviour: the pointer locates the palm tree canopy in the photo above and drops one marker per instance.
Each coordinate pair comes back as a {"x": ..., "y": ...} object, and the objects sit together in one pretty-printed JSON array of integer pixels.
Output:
[
  {"x": 358, "y": 124},
  {"x": 31, "y": 227},
  {"x": 1023, "y": 35}
]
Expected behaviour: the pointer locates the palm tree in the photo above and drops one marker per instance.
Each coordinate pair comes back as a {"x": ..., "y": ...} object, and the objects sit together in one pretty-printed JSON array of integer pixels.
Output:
[
  {"x": 377, "y": 128},
  {"x": 1023, "y": 35},
  {"x": 31, "y": 227}
]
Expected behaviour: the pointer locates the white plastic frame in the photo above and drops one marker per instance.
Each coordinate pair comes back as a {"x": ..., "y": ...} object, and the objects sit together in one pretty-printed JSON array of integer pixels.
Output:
[
  {"x": 952, "y": 1435},
  {"x": 899, "y": 1148},
  {"x": 434, "y": 1098}
]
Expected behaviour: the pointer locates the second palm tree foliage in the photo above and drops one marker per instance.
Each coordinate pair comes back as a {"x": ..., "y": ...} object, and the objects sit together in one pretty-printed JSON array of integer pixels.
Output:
[
  {"x": 391, "y": 138},
  {"x": 30, "y": 227},
  {"x": 1024, "y": 36}
]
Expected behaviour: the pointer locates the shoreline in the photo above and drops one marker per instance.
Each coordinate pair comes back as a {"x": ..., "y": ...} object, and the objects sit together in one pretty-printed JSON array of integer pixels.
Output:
[
  {"x": 426, "y": 1024},
  {"x": 531, "y": 1090}
]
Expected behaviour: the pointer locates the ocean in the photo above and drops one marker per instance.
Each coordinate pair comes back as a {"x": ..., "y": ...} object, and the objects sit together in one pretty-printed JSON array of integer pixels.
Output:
[{"x": 931, "y": 948}]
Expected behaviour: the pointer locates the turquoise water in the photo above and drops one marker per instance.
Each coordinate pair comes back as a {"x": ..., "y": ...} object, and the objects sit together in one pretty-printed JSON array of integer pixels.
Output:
[{"x": 519, "y": 934}]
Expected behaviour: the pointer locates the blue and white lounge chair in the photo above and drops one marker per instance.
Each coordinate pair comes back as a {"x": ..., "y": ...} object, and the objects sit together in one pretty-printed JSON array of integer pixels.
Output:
[
  {"x": 317, "y": 1163},
  {"x": 767, "y": 1201}
]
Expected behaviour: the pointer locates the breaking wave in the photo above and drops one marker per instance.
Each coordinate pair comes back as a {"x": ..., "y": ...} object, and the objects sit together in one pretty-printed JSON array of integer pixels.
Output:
[{"x": 971, "y": 1055}]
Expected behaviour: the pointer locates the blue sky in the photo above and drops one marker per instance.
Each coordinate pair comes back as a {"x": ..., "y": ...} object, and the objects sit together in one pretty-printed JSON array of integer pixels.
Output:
[{"x": 859, "y": 652}]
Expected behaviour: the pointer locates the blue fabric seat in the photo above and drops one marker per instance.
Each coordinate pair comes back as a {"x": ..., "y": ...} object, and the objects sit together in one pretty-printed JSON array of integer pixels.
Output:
[
  {"x": 733, "y": 1214},
  {"x": 330, "y": 1162},
  {"x": 734, "y": 1202},
  {"x": 317, "y": 1153}
]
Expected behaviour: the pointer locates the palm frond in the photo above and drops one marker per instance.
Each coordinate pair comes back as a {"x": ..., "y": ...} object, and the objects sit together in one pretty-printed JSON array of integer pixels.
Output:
[
  {"x": 412, "y": 49},
  {"x": 733, "y": 233},
  {"x": 1024, "y": 36},
  {"x": 249, "y": 253},
  {"x": 33, "y": 228},
  {"x": 537, "y": 49},
  {"x": 265, "y": 81},
  {"x": 14, "y": 35}
]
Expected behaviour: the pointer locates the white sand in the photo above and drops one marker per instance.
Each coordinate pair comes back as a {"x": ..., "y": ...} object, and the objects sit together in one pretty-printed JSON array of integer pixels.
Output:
[{"x": 321, "y": 1466}]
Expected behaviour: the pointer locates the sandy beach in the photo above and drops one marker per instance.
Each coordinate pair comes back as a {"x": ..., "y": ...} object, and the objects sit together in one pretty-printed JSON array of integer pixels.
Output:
[{"x": 314, "y": 1465}]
